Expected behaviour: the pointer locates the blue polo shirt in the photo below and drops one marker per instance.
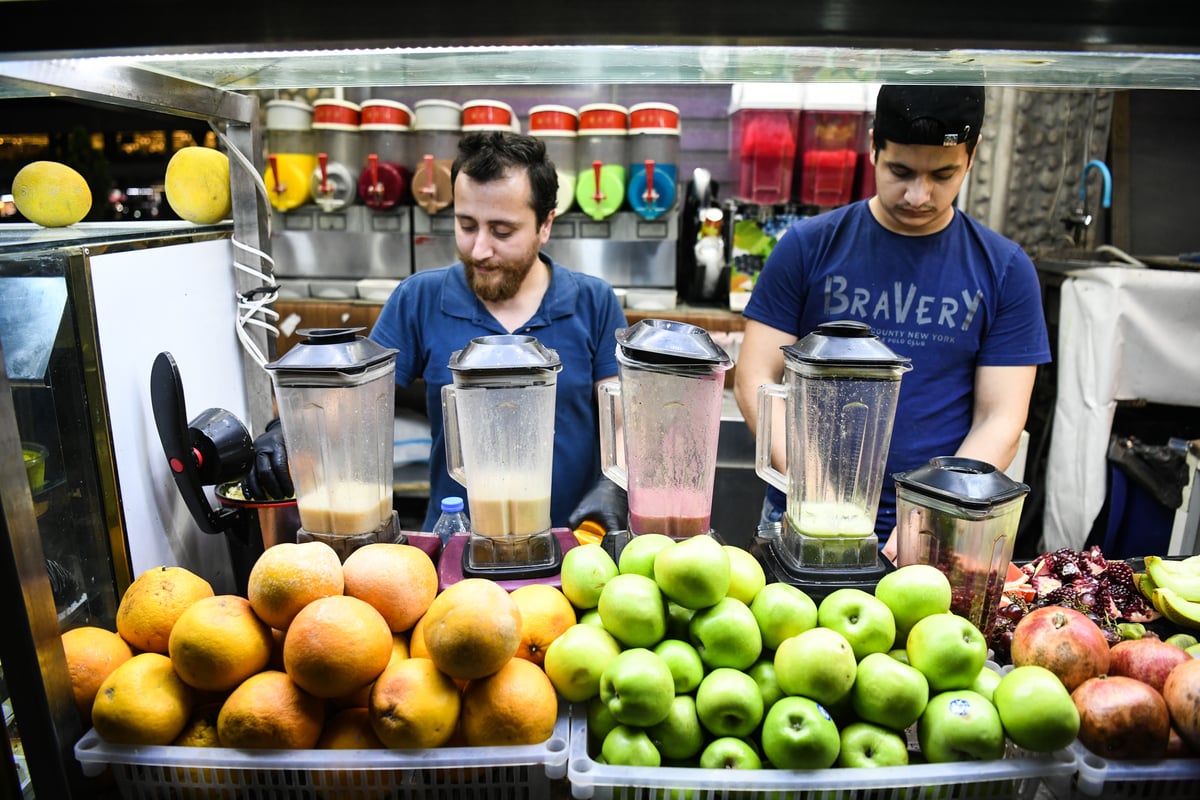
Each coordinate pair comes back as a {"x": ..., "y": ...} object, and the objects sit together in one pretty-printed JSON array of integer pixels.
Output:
[{"x": 433, "y": 313}]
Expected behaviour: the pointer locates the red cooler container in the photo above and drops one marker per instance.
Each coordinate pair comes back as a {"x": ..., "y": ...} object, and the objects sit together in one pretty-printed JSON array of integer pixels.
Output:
[
  {"x": 764, "y": 124},
  {"x": 830, "y": 136}
]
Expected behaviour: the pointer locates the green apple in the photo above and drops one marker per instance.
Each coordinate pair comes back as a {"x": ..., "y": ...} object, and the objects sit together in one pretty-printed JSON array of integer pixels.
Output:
[
  {"x": 960, "y": 725},
  {"x": 637, "y": 687},
  {"x": 633, "y": 609},
  {"x": 763, "y": 672},
  {"x": 866, "y": 745},
  {"x": 726, "y": 635},
  {"x": 985, "y": 682},
  {"x": 693, "y": 572},
  {"x": 817, "y": 663},
  {"x": 782, "y": 610},
  {"x": 680, "y": 735},
  {"x": 576, "y": 659},
  {"x": 599, "y": 722},
  {"x": 797, "y": 733},
  {"x": 585, "y": 571},
  {"x": 630, "y": 746},
  {"x": 684, "y": 662},
  {"x": 591, "y": 617},
  {"x": 861, "y": 617},
  {"x": 948, "y": 649},
  {"x": 678, "y": 619},
  {"x": 888, "y": 693},
  {"x": 898, "y": 653},
  {"x": 1036, "y": 709},
  {"x": 638, "y": 554},
  {"x": 746, "y": 575},
  {"x": 729, "y": 703},
  {"x": 730, "y": 752},
  {"x": 912, "y": 592}
]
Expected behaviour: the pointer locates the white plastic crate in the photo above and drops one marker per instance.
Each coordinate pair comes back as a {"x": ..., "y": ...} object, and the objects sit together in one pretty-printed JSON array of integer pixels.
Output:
[
  {"x": 221, "y": 773},
  {"x": 1104, "y": 777},
  {"x": 1021, "y": 775}
]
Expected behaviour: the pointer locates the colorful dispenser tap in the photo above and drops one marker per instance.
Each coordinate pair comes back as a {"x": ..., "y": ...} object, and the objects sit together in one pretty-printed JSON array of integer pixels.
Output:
[
  {"x": 323, "y": 168},
  {"x": 601, "y": 190},
  {"x": 279, "y": 185}
]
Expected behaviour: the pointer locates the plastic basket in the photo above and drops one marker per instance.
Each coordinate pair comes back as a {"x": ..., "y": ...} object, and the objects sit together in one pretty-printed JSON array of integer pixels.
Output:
[
  {"x": 220, "y": 773},
  {"x": 1021, "y": 775},
  {"x": 1102, "y": 777}
]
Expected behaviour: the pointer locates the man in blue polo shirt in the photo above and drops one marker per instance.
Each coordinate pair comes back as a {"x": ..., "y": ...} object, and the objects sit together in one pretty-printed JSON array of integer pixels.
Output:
[{"x": 960, "y": 300}]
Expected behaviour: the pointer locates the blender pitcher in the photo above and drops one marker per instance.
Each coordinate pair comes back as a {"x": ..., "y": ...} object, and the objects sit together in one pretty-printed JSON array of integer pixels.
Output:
[
  {"x": 841, "y": 392},
  {"x": 671, "y": 384},
  {"x": 499, "y": 417},
  {"x": 336, "y": 396}
]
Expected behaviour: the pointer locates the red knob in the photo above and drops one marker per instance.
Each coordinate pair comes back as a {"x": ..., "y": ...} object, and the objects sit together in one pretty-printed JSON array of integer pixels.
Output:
[
  {"x": 273, "y": 160},
  {"x": 323, "y": 159},
  {"x": 599, "y": 195}
]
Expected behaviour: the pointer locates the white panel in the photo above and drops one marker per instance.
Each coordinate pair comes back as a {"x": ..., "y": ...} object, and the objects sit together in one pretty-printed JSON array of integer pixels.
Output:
[{"x": 180, "y": 299}]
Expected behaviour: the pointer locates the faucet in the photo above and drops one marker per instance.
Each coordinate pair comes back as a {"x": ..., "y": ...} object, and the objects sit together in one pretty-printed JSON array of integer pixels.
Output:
[{"x": 1079, "y": 220}]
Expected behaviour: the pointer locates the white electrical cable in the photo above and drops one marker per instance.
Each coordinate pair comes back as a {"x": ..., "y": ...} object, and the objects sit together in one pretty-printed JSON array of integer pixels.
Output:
[{"x": 254, "y": 307}]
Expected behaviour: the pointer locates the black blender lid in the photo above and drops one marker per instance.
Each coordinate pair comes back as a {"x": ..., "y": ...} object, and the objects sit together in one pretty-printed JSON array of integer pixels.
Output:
[
  {"x": 845, "y": 342},
  {"x": 967, "y": 482},
  {"x": 332, "y": 349},
  {"x": 663, "y": 341},
  {"x": 504, "y": 353}
]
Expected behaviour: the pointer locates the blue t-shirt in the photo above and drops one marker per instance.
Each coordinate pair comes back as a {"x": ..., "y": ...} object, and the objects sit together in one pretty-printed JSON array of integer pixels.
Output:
[
  {"x": 958, "y": 299},
  {"x": 433, "y": 313}
]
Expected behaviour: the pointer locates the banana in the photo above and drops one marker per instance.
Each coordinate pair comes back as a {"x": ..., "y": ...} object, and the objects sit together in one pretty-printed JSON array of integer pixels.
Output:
[
  {"x": 1181, "y": 577},
  {"x": 1183, "y": 613}
]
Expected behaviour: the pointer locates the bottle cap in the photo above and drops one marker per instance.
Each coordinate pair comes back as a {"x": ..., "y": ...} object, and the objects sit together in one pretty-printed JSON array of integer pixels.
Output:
[{"x": 452, "y": 505}]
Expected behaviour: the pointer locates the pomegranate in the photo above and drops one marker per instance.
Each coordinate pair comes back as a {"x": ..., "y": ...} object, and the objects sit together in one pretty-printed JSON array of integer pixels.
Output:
[
  {"x": 1122, "y": 718},
  {"x": 1148, "y": 659},
  {"x": 1182, "y": 694},
  {"x": 1063, "y": 641}
]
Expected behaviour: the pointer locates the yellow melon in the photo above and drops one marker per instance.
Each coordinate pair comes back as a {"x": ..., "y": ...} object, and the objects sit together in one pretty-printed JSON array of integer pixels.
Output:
[
  {"x": 51, "y": 194},
  {"x": 197, "y": 185}
]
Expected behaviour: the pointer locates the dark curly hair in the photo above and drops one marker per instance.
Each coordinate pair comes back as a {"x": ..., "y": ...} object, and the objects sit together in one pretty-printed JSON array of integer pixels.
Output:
[{"x": 484, "y": 156}]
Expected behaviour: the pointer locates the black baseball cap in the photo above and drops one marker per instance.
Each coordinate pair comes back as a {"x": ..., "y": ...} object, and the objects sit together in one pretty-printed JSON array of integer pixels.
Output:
[{"x": 930, "y": 115}]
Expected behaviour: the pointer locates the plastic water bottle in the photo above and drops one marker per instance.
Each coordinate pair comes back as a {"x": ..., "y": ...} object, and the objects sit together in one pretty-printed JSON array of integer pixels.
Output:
[{"x": 452, "y": 520}]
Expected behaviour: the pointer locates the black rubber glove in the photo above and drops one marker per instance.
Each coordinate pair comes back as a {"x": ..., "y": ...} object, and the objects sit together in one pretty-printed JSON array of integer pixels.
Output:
[
  {"x": 269, "y": 477},
  {"x": 605, "y": 503}
]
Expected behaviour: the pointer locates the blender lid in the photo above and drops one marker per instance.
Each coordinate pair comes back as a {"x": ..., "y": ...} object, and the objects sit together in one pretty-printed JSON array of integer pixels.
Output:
[
  {"x": 504, "y": 353},
  {"x": 966, "y": 482},
  {"x": 845, "y": 342},
  {"x": 332, "y": 349},
  {"x": 662, "y": 341}
]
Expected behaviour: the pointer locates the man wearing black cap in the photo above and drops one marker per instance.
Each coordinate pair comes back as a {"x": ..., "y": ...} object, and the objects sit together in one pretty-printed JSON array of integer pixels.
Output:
[{"x": 959, "y": 299}]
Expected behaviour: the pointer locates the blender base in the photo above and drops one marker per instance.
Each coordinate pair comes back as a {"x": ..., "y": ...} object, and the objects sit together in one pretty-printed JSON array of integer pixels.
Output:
[
  {"x": 816, "y": 582},
  {"x": 344, "y": 544},
  {"x": 453, "y": 566}
]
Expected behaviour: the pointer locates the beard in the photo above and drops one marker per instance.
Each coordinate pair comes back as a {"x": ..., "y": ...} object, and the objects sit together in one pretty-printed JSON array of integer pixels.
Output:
[{"x": 502, "y": 281}]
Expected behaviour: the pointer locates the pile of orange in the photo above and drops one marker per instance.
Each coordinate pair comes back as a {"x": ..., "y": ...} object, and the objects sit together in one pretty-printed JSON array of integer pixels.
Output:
[{"x": 322, "y": 654}]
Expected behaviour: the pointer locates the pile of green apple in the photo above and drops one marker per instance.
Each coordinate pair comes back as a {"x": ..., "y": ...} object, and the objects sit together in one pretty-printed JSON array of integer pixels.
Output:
[{"x": 684, "y": 655}]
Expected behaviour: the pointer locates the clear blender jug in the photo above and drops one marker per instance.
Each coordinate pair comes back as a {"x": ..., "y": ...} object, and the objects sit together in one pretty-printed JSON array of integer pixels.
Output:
[
  {"x": 842, "y": 384},
  {"x": 499, "y": 418},
  {"x": 336, "y": 397},
  {"x": 671, "y": 384},
  {"x": 960, "y": 515}
]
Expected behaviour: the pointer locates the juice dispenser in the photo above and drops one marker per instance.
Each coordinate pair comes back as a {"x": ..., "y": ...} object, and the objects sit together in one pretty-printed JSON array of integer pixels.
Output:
[
  {"x": 653, "y": 158},
  {"x": 488, "y": 115},
  {"x": 335, "y": 179},
  {"x": 842, "y": 384},
  {"x": 499, "y": 418},
  {"x": 439, "y": 126},
  {"x": 336, "y": 397},
  {"x": 603, "y": 154},
  {"x": 830, "y": 132},
  {"x": 671, "y": 384},
  {"x": 291, "y": 154},
  {"x": 764, "y": 123},
  {"x": 961, "y": 516},
  {"x": 388, "y": 140},
  {"x": 557, "y": 127}
]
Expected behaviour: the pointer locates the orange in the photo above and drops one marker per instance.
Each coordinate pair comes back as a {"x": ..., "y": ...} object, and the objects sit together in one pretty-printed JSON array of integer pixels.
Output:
[
  {"x": 92, "y": 654},
  {"x": 288, "y": 576},
  {"x": 350, "y": 729},
  {"x": 142, "y": 702},
  {"x": 516, "y": 705},
  {"x": 416, "y": 640},
  {"x": 399, "y": 580},
  {"x": 218, "y": 642},
  {"x": 545, "y": 614},
  {"x": 153, "y": 602},
  {"x": 336, "y": 645},
  {"x": 361, "y": 698},
  {"x": 269, "y": 710},
  {"x": 199, "y": 783},
  {"x": 472, "y": 628},
  {"x": 414, "y": 704},
  {"x": 201, "y": 727}
]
